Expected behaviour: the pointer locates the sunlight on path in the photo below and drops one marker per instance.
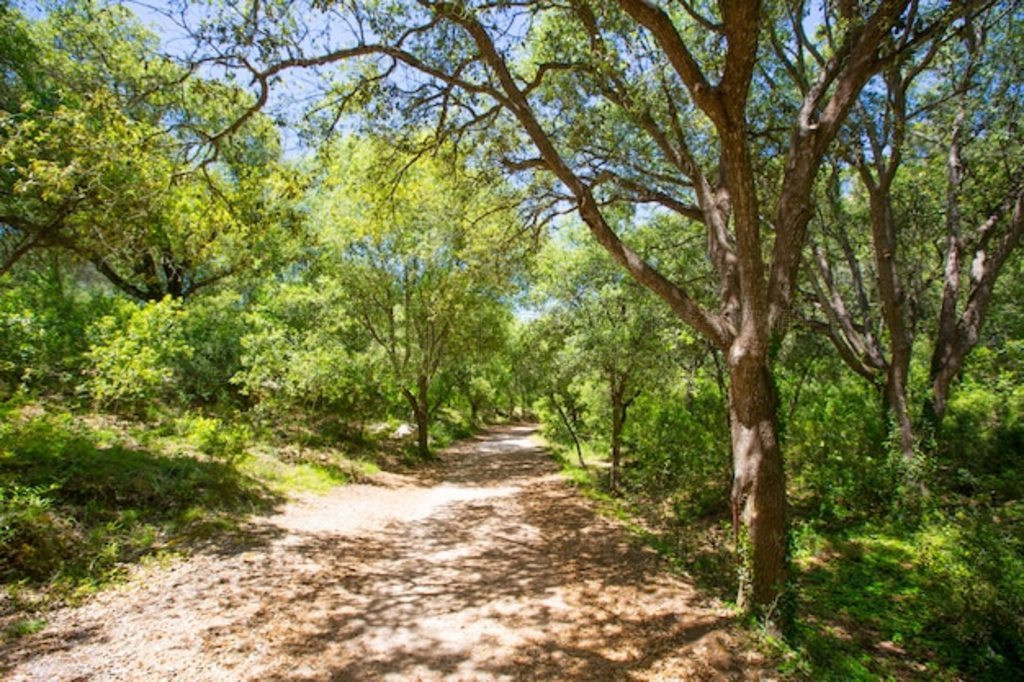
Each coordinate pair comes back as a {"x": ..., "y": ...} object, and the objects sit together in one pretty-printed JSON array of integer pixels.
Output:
[{"x": 485, "y": 567}]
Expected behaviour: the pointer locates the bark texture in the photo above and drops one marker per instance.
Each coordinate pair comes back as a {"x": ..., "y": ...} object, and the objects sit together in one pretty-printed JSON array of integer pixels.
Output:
[{"x": 759, "y": 485}]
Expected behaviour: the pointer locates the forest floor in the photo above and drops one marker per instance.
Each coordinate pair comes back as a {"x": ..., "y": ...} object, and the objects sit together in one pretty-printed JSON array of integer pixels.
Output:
[{"x": 487, "y": 565}]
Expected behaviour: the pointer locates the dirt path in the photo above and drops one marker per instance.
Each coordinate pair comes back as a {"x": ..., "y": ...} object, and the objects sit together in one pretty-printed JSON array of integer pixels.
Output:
[{"x": 486, "y": 567}]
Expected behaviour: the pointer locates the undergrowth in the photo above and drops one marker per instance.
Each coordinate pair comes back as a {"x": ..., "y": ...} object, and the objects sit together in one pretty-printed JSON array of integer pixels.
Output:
[
  {"x": 85, "y": 496},
  {"x": 941, "y": 600}
]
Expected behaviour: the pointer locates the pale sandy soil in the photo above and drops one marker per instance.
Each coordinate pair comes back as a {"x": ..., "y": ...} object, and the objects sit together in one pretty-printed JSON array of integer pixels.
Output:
[{"x": 487, "y": 566}]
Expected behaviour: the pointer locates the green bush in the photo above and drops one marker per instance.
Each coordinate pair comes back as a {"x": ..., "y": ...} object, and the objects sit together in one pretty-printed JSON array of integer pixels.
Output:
[
  {"x": 212, "y": 436},
  {"x": 213, "y": 330},
  {"x": 679, "y": 442},
  {"x": 835, "y": 440},
  {"x": 295, "y": 356},
  {"x": 42, "y": 331},
  {"x": 137, "y": 353},
  {"x": 984, "y": 427},
  {"x": 449, "y": 426},
  {"x": 978, "y": 559}
]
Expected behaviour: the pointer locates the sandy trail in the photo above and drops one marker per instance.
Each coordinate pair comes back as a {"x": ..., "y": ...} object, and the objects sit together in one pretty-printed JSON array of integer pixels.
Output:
[{"x": 485, "y": 567}]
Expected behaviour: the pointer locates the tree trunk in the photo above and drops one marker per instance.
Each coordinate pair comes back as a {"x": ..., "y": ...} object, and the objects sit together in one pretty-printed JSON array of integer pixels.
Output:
[
  {"x": 942, "y": 376},
  {"x": 896, "y": 403},
  {"x": 894, "y": 309},
  {"x": 617, "y": 420},
  {"x": 422, "y": 444},
  {"x": 420, "y": 404},
  {"x": 759, "y": 484},
  {"x": 569, "y": 428}
]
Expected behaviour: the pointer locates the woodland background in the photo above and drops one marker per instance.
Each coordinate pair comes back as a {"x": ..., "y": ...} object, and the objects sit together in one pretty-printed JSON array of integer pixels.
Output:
[{"x": 195, "y": 323}]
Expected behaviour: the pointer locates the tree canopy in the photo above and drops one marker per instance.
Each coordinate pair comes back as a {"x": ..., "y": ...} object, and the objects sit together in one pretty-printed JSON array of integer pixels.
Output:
[{"x": 751, "y": 265}]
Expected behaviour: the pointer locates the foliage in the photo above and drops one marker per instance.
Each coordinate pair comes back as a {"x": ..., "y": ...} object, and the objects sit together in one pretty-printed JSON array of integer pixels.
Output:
[
  {"x": 272, "y": 320},
  {"x": 412, "y": 255},
  {"x": 213, "y": 328},
  {"x": 841, "y": 463},
  {"x": 603, "y": 341},
  {"x": 96, "y": 131},
  {"x": 136, "y": 354},
  {"x": 212, "y": 436},
  {"x": 300, "y": 351},
  {"x": 75, "y": 506},
  {"x": 886, "y": 603},
  {"x": 985, "y": 423},
  {"x": 680, "y": 440},
  {"x": 43, "y": 323}
]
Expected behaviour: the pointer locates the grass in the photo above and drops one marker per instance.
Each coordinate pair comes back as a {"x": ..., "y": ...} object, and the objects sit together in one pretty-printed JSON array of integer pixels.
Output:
[
  {"x": 22, "y": 627},
  {"x": 78, "y": 506},
  {"x": 589, "y": 479},
  {"x": 83, "y": 497},
  {"x": 868, "y": 612},
  {"x": 284, "y": 478},
  {"x": 592, "y": 483},
  {"x": 940, "y": 601}
]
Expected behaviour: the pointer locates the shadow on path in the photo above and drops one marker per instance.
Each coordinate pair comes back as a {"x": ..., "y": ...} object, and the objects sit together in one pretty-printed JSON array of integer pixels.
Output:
[{"x": 505, "y": 573}]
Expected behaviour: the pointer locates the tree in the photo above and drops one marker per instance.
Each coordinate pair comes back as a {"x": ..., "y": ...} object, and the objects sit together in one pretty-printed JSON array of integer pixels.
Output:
[
  {"x": 636, "y": 102},
  {"x": 73, "y": 155},
  {"x": 302, "y": 353},
  {"x": 907, "y": 147},
  {"x": 988, "y": 196},
  {"x": 611, "y": 331},
  {"x": 97, "y": 137},
  {"x": 412, "y": 258}
]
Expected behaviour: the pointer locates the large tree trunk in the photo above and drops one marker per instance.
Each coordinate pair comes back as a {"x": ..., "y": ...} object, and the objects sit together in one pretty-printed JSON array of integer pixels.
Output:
[
  {"x": 759, "y": 483},
  {"x": 420, "y": 404}
]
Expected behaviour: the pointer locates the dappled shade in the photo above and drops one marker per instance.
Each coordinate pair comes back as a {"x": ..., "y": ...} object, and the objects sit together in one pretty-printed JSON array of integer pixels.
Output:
[{"x": 508, "y": 574}]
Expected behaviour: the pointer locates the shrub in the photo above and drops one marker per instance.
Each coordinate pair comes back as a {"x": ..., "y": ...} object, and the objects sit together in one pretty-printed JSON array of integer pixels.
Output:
[
  {"x": 213, "y": 329},
  {"x": 984, "y": 427},
  {"x": 835, "y": 444},
  {"x": 137, "y": 353},
  {"x": 42, "y": 331},
  {"x": 212, "y": 436},
  {"x": 978, "y": 558},
  {"x": 680, "y": 440}
]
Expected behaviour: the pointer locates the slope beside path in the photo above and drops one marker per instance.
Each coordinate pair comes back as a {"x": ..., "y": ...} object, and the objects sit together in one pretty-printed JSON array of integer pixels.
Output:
[{"x": 487, "y": 566}]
